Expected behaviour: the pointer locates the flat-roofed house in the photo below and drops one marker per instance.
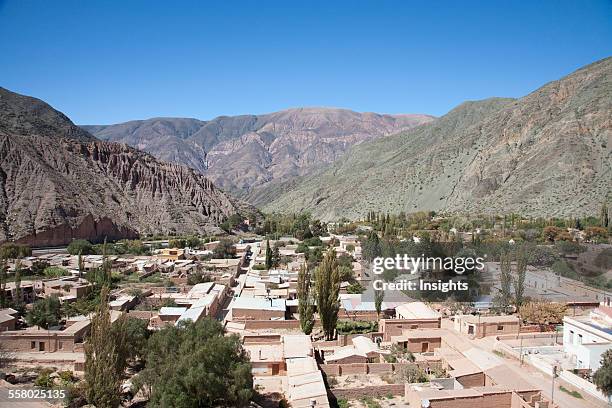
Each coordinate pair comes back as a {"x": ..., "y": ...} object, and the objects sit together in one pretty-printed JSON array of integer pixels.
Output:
[
  {"x": 419, "y": 340},
  {"x": 413, "y": 315},
  {"x": 483, "y": 326},
  {"x": 586, "y": 338},
  {"x": 8, "y": 319},
  {"x": 243, "y": 308},
  {"x": 433, "y": 396}
]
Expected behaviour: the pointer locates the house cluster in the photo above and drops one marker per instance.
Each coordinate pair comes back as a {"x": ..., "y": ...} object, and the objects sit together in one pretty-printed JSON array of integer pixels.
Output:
[
  {"x": 202, "y": 300},
  {"x": 286, "y": 364}
]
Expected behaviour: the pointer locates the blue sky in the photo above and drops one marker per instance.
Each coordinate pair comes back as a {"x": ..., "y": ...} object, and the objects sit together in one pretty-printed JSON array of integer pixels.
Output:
[{"x": 111, "y": 61}]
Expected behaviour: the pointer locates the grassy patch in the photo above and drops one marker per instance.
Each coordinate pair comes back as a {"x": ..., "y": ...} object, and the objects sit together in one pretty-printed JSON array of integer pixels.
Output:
[
  {"x": 370, "y": 402},
  {"x": 342, "y": 403},
  {"x": 574, "y": 394}
]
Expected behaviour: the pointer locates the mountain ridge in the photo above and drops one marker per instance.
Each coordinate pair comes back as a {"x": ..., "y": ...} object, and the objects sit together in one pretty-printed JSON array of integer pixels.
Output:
[
  {"x": 547, "y": 153},
  {"x": 59, "y": 183},
  {"x": 246, "y": 152}
]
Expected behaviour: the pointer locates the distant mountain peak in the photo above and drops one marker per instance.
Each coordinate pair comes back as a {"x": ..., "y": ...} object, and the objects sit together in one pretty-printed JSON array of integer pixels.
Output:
[{"x": 292, "y": 142}]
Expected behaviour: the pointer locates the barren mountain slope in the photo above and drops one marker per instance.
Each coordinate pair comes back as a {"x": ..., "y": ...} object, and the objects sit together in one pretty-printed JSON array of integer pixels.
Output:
[
  {"x": 244, "y": 153},
  {"x": 548, "y": 153},
  {"x": 57, "y": 183}
]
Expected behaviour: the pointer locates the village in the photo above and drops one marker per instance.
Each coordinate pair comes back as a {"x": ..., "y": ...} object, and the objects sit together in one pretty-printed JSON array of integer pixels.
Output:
[{"x": 398, "y": 350}]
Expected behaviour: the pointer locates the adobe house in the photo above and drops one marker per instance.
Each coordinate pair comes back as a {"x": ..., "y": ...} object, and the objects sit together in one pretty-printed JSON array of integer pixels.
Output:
[
  {"x": 483, "y": 326},
  {"x": 67, "y": 288},
  {"x": 258, "y": 309},
  {"x": 477, "y": 397},
  {"x": 413, "y": 315},
  {"x": 35, "y": 339},
  {"x": 8, "y": 319},
  {"x": 419, "y": 340}
]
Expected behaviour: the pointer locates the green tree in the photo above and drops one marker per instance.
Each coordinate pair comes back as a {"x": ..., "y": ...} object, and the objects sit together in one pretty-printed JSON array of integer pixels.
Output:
[
  {"x": 305, "y": 306},
  {"x": 327, "y": 287},
  {"x": 603, "y": 376},
  {"x": 604, "y": 219},
  {"x": 225, "y": 249},
  {"x": 355, "y": 288},
  {"x": 17, "y": 296},
  {"x": 11, "y": 250},
  {"x": 379, "y": 296},
  {"x": 45, "y": 312},
  {"x": 80, "y": 246},
  {"x": 519, "y": 277},
  {"x": 318, "y": 228},
  {"x": 38, "y": 267},
  {"x": 372, "y": 247},
  {"x": 196, "y": 365},
  {"x": 103, "y": 363},
  {"x": 135, "y": 334},
  {"x": 276, "y": 257},
  {"x": 503, "y": 298},
  {"x": 4, "y": 301},
  {"x": 269, "y": 261}
]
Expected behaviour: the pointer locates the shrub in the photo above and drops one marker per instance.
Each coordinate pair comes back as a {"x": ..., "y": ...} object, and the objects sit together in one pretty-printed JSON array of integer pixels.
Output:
[
  {"x": 356, "y": 327},
  {"x": 80, "y": 246}
]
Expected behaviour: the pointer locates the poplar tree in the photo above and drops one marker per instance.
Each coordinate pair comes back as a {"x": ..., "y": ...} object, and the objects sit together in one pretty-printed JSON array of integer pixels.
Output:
[
  {"x": 103, "y": 365},
  {"x": 3, "y": 278},
  {"x": 504, "y": 297},
  {"x": 327, "y": 287},
  {"x": 305, "y": 307},
  {"x": 379, "y": 296},
  {"x": 604, "y": 218},
  {"x": 269, "y": 260},
  {"x": 519, "y": 277}
]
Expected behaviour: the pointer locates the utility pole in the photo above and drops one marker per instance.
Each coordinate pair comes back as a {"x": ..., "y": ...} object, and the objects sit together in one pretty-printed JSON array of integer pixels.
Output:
[
  {"x": 552, "y": 393},
  {"x": 521, "y": 359}
]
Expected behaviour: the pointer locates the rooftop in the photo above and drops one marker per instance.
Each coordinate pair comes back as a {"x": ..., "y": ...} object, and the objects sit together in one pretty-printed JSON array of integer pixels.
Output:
[
  {"x": 259, "y": 304},
  {"x": 416, "y": 310}
]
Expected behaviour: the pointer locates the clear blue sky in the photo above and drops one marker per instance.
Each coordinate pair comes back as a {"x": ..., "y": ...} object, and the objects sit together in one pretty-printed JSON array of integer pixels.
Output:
[{"x": 112, "y": 61}]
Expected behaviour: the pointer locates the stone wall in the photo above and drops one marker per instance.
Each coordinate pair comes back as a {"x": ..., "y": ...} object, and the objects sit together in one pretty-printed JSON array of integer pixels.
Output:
[{"x": 369, "y": 391}]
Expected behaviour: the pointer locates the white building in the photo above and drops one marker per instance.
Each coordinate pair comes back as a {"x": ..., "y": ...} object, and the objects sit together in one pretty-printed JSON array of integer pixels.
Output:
[{"x": 587, "y": 338}]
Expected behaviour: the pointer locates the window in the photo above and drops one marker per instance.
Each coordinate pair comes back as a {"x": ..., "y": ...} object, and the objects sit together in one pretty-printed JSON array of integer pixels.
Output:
[
  {"x": 61, "y": 345},
  {"x": 571, "y": 337},
  {"x": 580, "y": 339},
  {"x": 500, "y": 327},
  {"x": 32, "y": 344}
]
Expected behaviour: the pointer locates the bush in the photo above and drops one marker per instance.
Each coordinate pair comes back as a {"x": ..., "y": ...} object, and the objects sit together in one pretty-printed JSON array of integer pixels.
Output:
[
  {"x": 569, "y": 247},
  {"x": 356, "y": 327},
  {"x": 564, "y": 269},
  {"x": 55, "y": 272},
  {"x": 80, "y": 246},
  {"x": 14, "y": 251},
  {"x": 44, "y": 379},
  {"x": 314, "y": 241}
]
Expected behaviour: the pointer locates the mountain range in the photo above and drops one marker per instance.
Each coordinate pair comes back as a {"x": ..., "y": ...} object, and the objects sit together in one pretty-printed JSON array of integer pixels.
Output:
[
  {"x": 548, "y": 153},
  {"x": 545, "y": 154},
  {"x": 248, "y": 153},
  {"x": 58, "y": 183}
]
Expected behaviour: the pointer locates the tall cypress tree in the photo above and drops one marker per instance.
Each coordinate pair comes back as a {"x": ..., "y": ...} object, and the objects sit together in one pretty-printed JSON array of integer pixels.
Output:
[
  {"x": 269, "y": 260},
  {"x": 604, "y": 218},
  {"x": 305, "y": 307},
  {"x": 327, "y": 290},
  {"x": 103, "y": 368}
]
